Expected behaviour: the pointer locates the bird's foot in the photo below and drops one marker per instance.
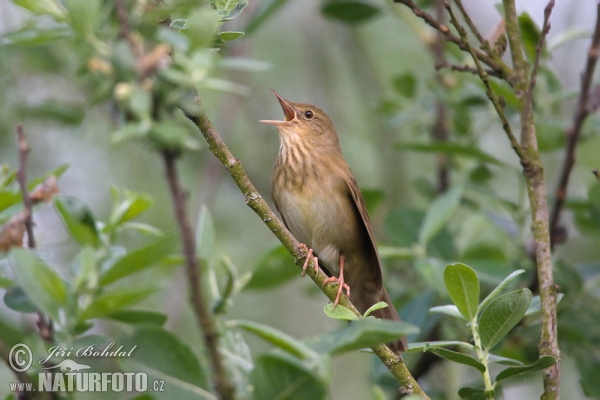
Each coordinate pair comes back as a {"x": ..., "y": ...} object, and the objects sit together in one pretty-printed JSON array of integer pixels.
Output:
[
  {"x": 310, "y": 255},
  {"x": 341, "y": 286}
]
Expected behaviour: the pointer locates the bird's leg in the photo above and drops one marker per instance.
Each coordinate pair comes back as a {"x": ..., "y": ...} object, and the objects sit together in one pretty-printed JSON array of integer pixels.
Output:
[
  {"x": 341, "y": 284},
  {"x": 310, "y": 255}
]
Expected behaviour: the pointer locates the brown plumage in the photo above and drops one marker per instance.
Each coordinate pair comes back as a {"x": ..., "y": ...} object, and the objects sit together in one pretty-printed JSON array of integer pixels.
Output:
[{"x": 317, "y": 196}]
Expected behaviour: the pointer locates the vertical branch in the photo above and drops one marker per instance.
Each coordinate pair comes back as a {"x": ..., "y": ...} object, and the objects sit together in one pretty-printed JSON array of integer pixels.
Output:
[
  {"x": 201, "y": 311},
  {"x": 440, "y": 130},
  {"x": 22, "y": 179},
  {"x": 44, "y": 325},
  {"x": 536, "y": 188},
  {"x": 582, "y": 110},
  {"x": 534, "y": 174}
]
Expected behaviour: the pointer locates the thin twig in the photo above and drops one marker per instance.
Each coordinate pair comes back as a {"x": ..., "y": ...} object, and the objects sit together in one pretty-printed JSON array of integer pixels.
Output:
[
  {"x": 496, "y": 64},
  {"x": 488, "y": 88},
  {"x": 254, "y": 200},
  {"x": 45, "y": 327},
  {"x": 466, "y": 68},
  {"x": 596, "y": 174},
  {"x": 484, "y": 43},
  {"x": 201, "y": 310},
  {"x": 574, "y": 131},
  {"x": 22, "y": 179},
  {"x": 440, "y": 128}
]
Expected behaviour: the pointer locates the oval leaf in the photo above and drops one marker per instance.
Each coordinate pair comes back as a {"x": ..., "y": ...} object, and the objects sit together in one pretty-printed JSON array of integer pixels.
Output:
[
  {"x": 439, "y": 213},
  {"x": 164, "y": 356},
  {"x": 502, "y": 315},
  {"x": 350, "y": 12},
  {"x": 456, "y": 357},
  {"x": 542, "y": 363},
  {"x": 78, "y": 220},
  {"x": 463, "y": 287},
  {"x": 39, "y": 281},
  {"x": 496, "y": 292},
  {"x": 140, "y": 259},
  {"x": 340, "y": 312}
]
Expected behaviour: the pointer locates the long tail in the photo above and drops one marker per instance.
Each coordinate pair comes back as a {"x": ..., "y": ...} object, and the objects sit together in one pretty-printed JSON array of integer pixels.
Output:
[{"x": 390, "y": 313}]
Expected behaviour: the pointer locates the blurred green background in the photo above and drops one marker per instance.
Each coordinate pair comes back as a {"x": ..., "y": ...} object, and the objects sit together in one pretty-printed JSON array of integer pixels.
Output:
[{"x": 358, "y": 74}]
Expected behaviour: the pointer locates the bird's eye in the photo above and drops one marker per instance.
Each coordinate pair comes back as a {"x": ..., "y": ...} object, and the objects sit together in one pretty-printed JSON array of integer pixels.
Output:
[{"x": 309, "y": 114}]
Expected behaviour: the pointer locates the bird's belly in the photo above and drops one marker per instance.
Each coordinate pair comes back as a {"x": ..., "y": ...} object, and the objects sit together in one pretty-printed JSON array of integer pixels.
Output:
[{"x": 312, "y": 222}]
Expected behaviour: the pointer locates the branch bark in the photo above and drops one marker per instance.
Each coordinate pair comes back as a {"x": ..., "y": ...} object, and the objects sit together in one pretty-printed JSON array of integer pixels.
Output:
[
  {"x": 204, "y": 319},
  {"x": 527, "y": 150},
  {"x": 394, "y": 363}
]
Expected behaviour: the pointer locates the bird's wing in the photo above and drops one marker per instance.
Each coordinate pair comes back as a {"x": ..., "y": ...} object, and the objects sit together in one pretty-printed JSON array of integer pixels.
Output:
[{"x": 361, "y": 208}]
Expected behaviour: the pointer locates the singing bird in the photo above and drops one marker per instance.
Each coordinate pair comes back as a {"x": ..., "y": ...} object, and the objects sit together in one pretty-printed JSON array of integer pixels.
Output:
[{"x": 317, "y": 196}]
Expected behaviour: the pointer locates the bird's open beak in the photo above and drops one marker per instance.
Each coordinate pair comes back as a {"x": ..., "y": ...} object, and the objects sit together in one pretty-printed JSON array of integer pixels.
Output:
[{"x": 288, "y": 112}]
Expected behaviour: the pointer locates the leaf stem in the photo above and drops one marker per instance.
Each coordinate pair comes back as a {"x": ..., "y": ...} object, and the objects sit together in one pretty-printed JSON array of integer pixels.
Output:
[{"x": 482, "y": 355}]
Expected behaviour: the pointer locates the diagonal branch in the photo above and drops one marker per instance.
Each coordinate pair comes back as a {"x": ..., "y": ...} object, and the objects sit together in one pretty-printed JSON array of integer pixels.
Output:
[
  {"x": 488, "y": 88},
  {"x": 574, "y": 131},
  {"x": 484, "y": 43},
  {"x": 495, "y": 63},
  {"x": 254, "y": 200}
]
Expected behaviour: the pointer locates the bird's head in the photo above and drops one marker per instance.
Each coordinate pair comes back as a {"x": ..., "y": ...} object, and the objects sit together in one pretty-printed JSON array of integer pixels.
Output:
[{"x": 304, "y": 122}]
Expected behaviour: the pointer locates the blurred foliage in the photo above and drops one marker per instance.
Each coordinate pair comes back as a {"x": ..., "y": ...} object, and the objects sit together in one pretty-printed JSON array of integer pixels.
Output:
[{"x": 141, "y": 82}]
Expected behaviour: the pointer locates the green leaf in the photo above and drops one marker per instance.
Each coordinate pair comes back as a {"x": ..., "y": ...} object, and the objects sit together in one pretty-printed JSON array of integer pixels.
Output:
[
  {"x": 39, "y": 281},
  {"x": 439, "y": 213},
  {"x": 451, "y": 149},
  {"x": 449, "y": 309},
  {"x": 35, "y": 37},
  {"x": 375, "y": 307},
  {"x": 280, "y": 376},
  {"x": 83, "y": 15},
  {"x": 340, "y": 312},
  {"x": 78, "y": 219},
  {"x": 138, "y": 317},
  {"x": 504, "y": 360},
  {"x": 205, "y": 236},
  {"x": 405, "y": 85},
  {"x": 496, "y": 292},
  {"x": 456, "y": 357},
  {"x": 132, "y": 205},
  {"x": 530, "y": 34},
  {"x": 16, "y": 299},
  {"x": 421, "y": 346},
  {"x": 178, "y": 24},
  {"x": 112, "y": 301},
  {"x": 542, "y": 363},
  {"x": 48, "y": 7},
  {"x": 472, "y": 393},
  {"x": 502, "y": 315},
  {"x": 230, "y": 36},
  {"x": 350, "y": 12},
  {"x": 274, "y": 269},
  {"x": 201, "y": 28},
  {"x": 140, "y": 259},
  {"x": 228, "y": 9},
  {"x": 463, "y": 287},
  {"x": 164, "y": 356},
  {"x": 362, "y": 333},
  {"x": 277, "y": 338}
]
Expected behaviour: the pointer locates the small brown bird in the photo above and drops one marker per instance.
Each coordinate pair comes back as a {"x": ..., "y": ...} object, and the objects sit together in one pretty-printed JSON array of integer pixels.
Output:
[{"x": 317, "y": 196}]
